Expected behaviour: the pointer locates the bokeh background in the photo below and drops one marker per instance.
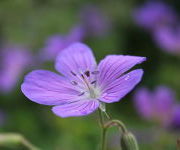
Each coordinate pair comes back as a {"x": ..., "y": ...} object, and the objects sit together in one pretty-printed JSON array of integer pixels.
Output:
[{"x": 31, "y": 22}]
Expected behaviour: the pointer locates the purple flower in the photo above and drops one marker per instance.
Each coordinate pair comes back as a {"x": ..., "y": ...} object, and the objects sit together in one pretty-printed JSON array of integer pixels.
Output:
[
  {"x": 13, "y": 60},
  {"x": 168, "y": 39},
  {"x": 175, "y": 121},
  {"x": 93, "y": 21},
  {"x": 56, "y": 43},
  {"x": 159, "y": 105},
  {"x": 83, "y": 86},
  {"x": 152, "y": 15}
]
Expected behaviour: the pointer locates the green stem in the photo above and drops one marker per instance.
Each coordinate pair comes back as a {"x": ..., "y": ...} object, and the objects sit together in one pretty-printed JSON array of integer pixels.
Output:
[
  {"x": 101, "y": 118},
  {"x": 103, "y": 139},
  {"x": 103, "y": 145},
  {"x": 116, "y": 123},
  {"x": 109, "y": 124}
]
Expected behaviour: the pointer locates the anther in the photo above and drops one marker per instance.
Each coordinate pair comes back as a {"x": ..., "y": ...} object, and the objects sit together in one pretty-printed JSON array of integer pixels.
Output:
[
  {"x": 82, "y": 76},
  {"x": 81, "y": 94},
  {"x": 93, "y": 82},
  {"x": 74, "y": 83},
  {"x": 87, "y": 73},
  {"x": 95, "y": 72},
  {"x": 73, "y": 73}
]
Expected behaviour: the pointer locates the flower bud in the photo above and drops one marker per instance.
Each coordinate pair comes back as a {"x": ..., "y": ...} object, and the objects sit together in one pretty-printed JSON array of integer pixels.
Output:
[{"x": 128, "y": 142}]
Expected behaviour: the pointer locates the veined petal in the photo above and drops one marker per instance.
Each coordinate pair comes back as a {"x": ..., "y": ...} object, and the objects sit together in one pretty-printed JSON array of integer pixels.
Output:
[
  {"x": 114, "y": 66},
  {"x": 48, "y": 88},
  {"x": 118, "y": 88},
  {"x": 80, "y": 108},
  {"x": 76, "y": 58}
]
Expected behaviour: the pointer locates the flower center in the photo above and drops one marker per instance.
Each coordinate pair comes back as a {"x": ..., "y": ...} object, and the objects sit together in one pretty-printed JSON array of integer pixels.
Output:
[{"x": 85, "y": 82}]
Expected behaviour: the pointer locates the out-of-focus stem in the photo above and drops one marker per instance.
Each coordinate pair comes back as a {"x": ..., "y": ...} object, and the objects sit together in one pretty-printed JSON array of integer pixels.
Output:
[
  {"x": 178, "y": 144},
  {"x": 14, "y": 140},
  {"x": 29, "y": 145}
]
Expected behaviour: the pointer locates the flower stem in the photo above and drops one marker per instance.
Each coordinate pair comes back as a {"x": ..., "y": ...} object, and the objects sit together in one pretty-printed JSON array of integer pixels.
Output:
[
  {"x": 117, "y": 123},
  {"x": 101, "y": 118},
  {"x": 128, "y": 140},
  {"x": 103, "y": 145}
]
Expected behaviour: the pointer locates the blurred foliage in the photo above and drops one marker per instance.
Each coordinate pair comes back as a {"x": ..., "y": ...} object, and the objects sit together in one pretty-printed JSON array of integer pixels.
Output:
[{"x": 30, "y": 22}]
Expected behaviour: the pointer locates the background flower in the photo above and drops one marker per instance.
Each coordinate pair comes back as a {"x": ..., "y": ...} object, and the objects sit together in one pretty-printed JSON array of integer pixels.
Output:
[
  {"x": 153, "y": 15},
  {"x": 14, "y": 60},
  {"x": 159, "y": 106},
  {"x": 94, "y": 22},
  {"x": 56, "y": 43},
  {"x": 168, "y": 39}
]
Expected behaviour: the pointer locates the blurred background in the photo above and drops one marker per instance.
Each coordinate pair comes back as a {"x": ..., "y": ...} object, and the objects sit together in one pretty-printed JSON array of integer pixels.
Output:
[{"x": 32, "y": 32}]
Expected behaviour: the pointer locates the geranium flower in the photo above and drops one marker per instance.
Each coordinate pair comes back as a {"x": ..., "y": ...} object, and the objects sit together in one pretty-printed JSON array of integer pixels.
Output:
[
  {"x": 159, "y": 106},
  {"x": 13, "y": 61},
  {"x": 94, "y": 21},
  {"x": 56, "y": 43},
  {"x": 168, "y": 39},
  {"x": 83, "y": 86},
  {"x": 153, "y": 15}
]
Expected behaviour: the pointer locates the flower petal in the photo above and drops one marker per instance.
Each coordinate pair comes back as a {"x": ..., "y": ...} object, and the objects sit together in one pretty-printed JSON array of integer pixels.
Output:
[
  {"x": 113, "y": 66},
  {"x": 48, "y": 88},
  {"x": 76, "y": 58},
  {"x": 80, "y": 108},
  {"x": 118, "y": 88}
]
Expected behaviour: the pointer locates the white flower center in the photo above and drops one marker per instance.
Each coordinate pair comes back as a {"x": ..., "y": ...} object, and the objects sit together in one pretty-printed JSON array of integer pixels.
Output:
[{"x": 85, "y": 82}]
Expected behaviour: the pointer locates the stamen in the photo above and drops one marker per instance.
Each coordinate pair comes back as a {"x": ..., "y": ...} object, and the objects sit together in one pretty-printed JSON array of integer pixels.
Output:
[
  {"x": 81, "y": 94},
  {"x": 87, "y": 73},
  {"x": 95, "y": 72},
  {"x": 93, "y": 82},
  {"x": 82, "y": 76},
  {"x": 73, "y": 73},
  {"x": 74, "y": 83}
]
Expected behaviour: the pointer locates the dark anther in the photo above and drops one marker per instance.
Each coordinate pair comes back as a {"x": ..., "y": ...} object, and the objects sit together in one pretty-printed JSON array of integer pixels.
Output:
[
  {"x": 81, "y": 94},
  {"x": 93, "y": 82},
  {"x": 87, "y": 73},
  {"x": 74, "y": 83},
  {"x": 82, "y": 76},
  {"x": 95, "y": 72},
  {"x": 73, "y": 73}
]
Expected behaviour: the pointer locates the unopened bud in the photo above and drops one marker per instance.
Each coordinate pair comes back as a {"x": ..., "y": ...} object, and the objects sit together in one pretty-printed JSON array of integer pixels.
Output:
[{"x": 129, "y": 142}]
